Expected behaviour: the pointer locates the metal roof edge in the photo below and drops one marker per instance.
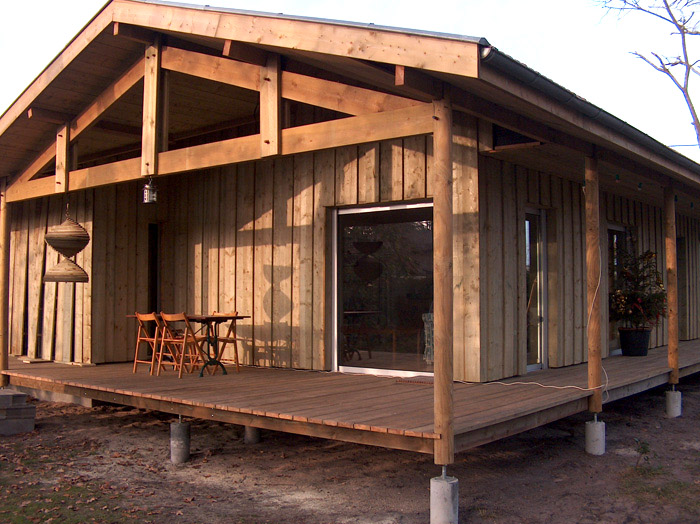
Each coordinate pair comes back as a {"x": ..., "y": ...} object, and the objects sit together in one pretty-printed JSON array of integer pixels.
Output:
[
  {"x": 360, "y": 25},
  {"x": 506, "y": 64}
]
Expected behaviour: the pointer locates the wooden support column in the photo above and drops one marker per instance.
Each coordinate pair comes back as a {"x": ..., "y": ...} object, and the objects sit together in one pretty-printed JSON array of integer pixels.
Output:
[
  {"x": 594, "y": 276},
  {"x": 62, "y": 158},
  {"x": 151, "y": 98},
  {"x": 671, "y": 280},
  {"x": 270, "y": 102},
  {"x": 4, "y": 281},
  {"x": 443, "y": 292}
]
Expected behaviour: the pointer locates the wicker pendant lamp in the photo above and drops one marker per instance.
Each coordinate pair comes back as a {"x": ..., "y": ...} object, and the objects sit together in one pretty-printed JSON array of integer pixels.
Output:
[{"x": 69, "y": 239}]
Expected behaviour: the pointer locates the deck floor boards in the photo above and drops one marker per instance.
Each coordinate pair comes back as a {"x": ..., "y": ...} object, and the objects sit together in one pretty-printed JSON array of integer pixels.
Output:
[{"x": 359, "y": 408}]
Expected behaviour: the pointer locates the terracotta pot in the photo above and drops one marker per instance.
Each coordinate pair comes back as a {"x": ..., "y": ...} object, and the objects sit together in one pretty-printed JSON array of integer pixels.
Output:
[{"x": 634, "y": 342}]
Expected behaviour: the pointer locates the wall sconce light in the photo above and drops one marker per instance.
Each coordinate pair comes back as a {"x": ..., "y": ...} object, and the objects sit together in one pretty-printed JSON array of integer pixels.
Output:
[
  {"x": 639, "y": 187},
  {"x": 617, "y": 178},
  {"x": 150, "y": 193}
]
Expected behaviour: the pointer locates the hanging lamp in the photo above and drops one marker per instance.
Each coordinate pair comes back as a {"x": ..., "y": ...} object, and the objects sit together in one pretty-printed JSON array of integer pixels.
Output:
[{"x": 69, "y": 239}]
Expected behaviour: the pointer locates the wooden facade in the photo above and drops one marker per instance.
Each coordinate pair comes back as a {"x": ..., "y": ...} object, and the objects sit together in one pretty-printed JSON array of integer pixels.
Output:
[{"x": 255, "y": 143}]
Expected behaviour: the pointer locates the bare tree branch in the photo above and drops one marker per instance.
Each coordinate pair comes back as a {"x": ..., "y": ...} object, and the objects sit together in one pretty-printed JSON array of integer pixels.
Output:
[{"x": 679, "y": 14}]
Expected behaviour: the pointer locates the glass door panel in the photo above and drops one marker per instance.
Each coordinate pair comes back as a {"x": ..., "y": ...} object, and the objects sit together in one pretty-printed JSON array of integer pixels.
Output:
[
  {"x": 385, "y": 289},
  {"x": 534, "y": 272}
]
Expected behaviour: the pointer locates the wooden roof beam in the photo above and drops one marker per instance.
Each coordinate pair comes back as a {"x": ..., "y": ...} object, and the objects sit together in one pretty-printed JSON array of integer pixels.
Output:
[
  {"x": 46, "y": 115},
  {"x": 88, "y": 116},
  {"x": 415, "y": 120},
  {"x": 134, "y": 33},
  {"x": 48, "y": 75},
  {"x": 414, "y": 84},
  {"x": 427, "y": 52},
  {"x": 244, "y": 53},
  {"x": 270, "y": 103},
  {"x": 150, "y": 134},
  {"x": 527, "y": 97},
  {"x": 300, "y": 88}
]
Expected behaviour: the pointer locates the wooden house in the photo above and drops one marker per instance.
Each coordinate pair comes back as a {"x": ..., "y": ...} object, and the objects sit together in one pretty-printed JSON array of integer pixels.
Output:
[{"x": 353, "y": 189}]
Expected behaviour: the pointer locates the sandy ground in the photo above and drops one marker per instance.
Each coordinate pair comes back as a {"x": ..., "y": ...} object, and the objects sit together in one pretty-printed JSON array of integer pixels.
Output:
[{"x": 111, "y": 464}]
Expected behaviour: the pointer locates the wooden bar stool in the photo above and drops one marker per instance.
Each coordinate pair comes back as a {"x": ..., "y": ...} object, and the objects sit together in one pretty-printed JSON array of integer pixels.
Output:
[{"x": 151, "y": 341}]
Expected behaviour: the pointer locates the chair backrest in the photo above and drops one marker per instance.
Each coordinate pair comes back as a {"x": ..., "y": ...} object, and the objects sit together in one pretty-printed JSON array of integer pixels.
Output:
[
  {"x": 169, "y": 318},
  {"x": 142, "y": 318}
]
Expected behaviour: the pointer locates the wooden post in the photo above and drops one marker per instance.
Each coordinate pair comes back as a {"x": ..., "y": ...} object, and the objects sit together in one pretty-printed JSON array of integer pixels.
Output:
[
  {"x": 594, "y": 277},
  {"x": 443, "y": 292},
  {"x": 671, "y": 281},
  {"x": 270, "y": 100},
  {"x": 4, "y": 282},
  {"x": 151, "y": 88},
  {"x": 62, "y": 158}
]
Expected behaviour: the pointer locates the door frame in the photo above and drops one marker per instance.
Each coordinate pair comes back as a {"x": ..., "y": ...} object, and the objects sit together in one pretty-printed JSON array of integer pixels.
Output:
[
  {"x": 335, "y": 295},
  {"x": 542, "y": 290}
]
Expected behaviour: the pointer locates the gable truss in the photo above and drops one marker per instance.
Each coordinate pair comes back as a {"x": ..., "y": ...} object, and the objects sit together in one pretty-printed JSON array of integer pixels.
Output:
[{"x": 376, "y": 116}]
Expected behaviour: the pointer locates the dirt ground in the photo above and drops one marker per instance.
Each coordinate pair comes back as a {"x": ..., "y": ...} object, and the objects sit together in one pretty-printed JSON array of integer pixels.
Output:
[{"x": 111, "y": 464}]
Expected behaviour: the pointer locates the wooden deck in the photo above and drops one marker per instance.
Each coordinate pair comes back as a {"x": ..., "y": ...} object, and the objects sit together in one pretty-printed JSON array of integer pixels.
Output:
[{"x": 364, "y": 409}]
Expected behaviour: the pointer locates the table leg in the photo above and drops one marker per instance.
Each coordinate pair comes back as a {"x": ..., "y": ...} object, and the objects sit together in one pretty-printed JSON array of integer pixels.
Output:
[{"x": 212, "y": 342}]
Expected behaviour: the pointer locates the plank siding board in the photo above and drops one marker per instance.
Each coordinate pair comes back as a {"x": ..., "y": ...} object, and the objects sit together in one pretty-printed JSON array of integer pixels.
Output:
[
  {"x": 120, "y": 277},
  {"x": 282, "y": 269},
  {"x": 324, "y": 180},
  {"x": 368, "y": 161},
  {"x": 86, "y": 289},
  {"x": 510, "y": 272},
  {"x": 245, "y": 231},
  {"x": 77, "y": 325},
  {"x": 37, "y": 228},
  {"x": 521, "y": 201},
  {"x": 99, "y": 275},
  {"x": 414, "y": 167},
  {"x": 391, "y": 171},
  {"x": 568, "y": 316},
  {"x": 302, "y": 293},
  {"x": 48, "y": 329},
  {"x": 19, "y": 290},
  {"x": 483, "y": 265},
  {"x": 110, "y": 266},
  {"x": 466, "y": 254},
  {"x": 262, "y": 273},
  {"x": 212, "y": 232},
  {"x": 556, "y": 275},
  {"x": 578, "y": 273},
  {"x": 494, "y": 231},
  {"x": 346, "y": 170},
  {"x": 227, "y": 256}
]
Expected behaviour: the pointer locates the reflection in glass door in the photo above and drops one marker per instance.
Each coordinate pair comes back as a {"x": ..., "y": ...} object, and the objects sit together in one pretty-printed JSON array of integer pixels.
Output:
[
  {"x": 534, "y": 277},
  {"x": 384, "y": 289}
]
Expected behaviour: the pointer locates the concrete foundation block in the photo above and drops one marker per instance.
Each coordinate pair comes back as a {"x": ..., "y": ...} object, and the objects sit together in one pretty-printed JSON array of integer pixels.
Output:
[
  {"x": 179, "y": 442},
  {"x": 444, "y": 500},
  {"x": 16, "y": 426},
  {"x": 674, "y": 406},
  {"x": 595, "y": 437},
  {"x": 27, "y": 411},
  {"x": 10, "y": 398},
  {"x": 251, "y": 435}
]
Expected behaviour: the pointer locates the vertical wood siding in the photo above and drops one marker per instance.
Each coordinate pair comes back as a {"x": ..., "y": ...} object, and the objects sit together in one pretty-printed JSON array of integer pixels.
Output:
[
  {"x": 48, "y": 321},
  {"x": 255, "y": 238}
]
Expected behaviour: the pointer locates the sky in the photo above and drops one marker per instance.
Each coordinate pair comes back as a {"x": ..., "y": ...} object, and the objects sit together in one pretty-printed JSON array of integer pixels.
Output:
[{"x": 575, "y": 43}]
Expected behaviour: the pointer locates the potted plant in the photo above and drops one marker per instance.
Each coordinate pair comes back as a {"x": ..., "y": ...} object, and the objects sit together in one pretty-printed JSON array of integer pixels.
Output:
[{"x": 637, "y": 300}]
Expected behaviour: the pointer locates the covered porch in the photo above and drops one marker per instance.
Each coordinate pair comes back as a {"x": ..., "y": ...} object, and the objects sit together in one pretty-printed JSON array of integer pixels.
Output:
[{"x": 380, "y": 411}]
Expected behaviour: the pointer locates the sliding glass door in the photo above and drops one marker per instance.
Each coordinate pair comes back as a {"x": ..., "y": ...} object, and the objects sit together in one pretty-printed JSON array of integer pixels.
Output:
[{"x": 384, "y": 288}]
